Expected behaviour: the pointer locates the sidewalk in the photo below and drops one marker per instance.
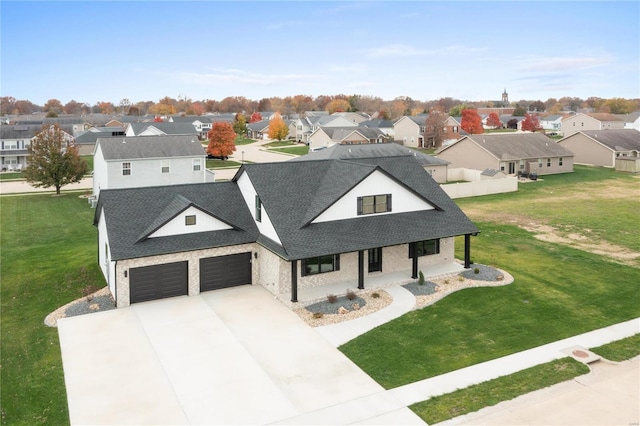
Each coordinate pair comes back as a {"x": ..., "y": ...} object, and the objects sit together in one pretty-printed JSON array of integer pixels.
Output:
[{"x": 422, "y": 390}]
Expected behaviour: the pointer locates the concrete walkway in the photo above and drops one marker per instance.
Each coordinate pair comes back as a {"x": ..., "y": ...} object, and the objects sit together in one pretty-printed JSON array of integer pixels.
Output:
[{"x": 422, "y": 390}]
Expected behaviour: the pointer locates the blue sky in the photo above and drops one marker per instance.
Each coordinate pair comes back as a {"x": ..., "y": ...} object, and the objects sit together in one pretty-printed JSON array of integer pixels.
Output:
[{"x": 94, "y": 51}]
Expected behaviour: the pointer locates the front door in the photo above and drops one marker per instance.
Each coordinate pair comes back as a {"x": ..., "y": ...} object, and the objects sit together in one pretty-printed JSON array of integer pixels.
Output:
[
  {"x": 375, "y": 260},
  {"x": 512, "y": 168}
]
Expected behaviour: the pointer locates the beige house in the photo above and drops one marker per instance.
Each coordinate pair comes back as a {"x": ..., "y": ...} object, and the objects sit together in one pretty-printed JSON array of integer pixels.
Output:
[
  {"x": 511, "y": 153},
  {"x": 324, "y": 137},
  {"x": 603, "y": 147},
  {"x": 409, "y": 130},
  {"x": 591, "y": 121}
]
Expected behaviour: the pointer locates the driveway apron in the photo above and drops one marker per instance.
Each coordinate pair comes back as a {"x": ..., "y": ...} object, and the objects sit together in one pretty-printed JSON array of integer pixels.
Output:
[{"x": 233, "y": 356}]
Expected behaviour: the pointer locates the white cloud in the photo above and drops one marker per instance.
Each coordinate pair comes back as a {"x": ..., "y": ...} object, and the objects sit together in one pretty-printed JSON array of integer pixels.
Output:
[
  {"x": 551, "y": 64},
  {"x": 407, "y": 50}
]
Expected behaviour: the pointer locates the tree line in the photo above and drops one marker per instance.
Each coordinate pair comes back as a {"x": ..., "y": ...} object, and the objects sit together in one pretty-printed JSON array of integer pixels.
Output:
[{"x": 386, "y": 109}]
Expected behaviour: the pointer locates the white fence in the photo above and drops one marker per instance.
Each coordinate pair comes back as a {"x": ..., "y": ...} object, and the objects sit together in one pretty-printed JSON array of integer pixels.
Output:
[{"x": 478, "y": 185}]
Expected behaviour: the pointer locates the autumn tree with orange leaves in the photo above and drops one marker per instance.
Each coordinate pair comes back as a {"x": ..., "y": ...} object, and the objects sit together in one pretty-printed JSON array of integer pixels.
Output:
[
  {"x": 531, "y": 123},
  {"x": 494, "y": 121},
  {"x": 221, "y": 140},
  {"x": 471, "y": 122},
  {"x": 278, "y": 129}
]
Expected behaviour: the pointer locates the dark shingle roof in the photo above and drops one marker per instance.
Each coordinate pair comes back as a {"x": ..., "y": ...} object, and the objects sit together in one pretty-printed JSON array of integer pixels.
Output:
[
  {"x": 318, "y": 184},
  {"x": 131, "y": 214},
  {"x": 617, "y": 140},
  {"x": 165, "y": 146},
  {"x": 374, "y": 150}
]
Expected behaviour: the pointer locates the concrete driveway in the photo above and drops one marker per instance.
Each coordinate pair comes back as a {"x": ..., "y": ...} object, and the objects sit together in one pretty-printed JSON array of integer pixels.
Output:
[{"x": 234, "y": 356}]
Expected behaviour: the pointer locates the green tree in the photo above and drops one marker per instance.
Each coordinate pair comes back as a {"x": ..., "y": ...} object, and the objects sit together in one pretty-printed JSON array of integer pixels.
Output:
[
  {"x": 53, "y": 161},
  {"x": 221, "y": 140},
  {"x": 519, "y": 111},
  {"x": 620, "y": 106},
  {"x": 456, "y": 111},
  {"x": 240, "y": 124},
  {"x": 278, "y": 129},
  {"x": 434, "y": 127}
]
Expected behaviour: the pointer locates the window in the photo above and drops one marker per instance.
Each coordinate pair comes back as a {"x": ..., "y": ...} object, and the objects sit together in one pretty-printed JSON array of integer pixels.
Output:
[
  {"x": 320, "y": 265},
  {"x": 165, "y": 166},
  {"x": 370, "y": 204},
  {"x": 126, "y": 169},
  {"x": 548, "y": 162},
  {"x": 560, "y": 161},
  {"x": 197, "y": 164},
  {"x": 258, "y": 209},
  {"x": 539, "y": 162},
  {"x": 11, "y": 145},
  {"x": 521, "y": 164},
  {"x": 425, "y": 248},
  {"x": 190, "y": 220}
]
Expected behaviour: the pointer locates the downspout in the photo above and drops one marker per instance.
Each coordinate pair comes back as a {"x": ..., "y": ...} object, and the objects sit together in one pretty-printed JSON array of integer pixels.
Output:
[{"x": 294, "y": 281}]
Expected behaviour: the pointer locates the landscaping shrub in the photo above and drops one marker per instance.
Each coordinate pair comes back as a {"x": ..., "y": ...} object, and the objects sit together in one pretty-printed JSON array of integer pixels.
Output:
[
  {"x": 420, "y": 278},
  {"x": 375, "y": 295},
  {"x": 332, "y": 298},
  {"x": 318, "y": 315},
  {"x": 351, "y": 295}
]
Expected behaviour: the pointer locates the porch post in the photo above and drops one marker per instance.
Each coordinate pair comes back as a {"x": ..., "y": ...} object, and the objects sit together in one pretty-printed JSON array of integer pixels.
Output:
[
  {"x": 467, "y": 251},
  {"x": 294, "y": 281},
  {"x": 414, "y": 261},
  {"x": 361, "y": 269}
]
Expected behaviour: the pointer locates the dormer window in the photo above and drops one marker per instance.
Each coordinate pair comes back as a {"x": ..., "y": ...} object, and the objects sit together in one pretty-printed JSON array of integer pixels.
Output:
[{"x": 370, "y": 204}]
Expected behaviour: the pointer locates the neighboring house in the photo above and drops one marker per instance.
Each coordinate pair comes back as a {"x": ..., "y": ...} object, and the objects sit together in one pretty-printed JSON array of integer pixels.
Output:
[
  {"x": 510, "y": 153},
  {"x": 327, "y": 136},
  {"x": 436, "y": 167},
  {"x": 592, "y": 121},
  {"x": 160, "y": 128},
  {"x": 505, "y": 119},
  {"x": 385, "y": 126},
  {"x": 552, "y": 123},
  {"x": 86, "y": 141},
  {"x": 631, "y": 120},
  {"x": 300, "y": 129},
  {"x": 14, "y": 144},
  {"x": 202, "y": 124},
  {"x": 354, "y": 117},
  {"x": 409, "y": 130},
  {"x": 343, "y": 222},
  {"x": 602, "y": 147},
  {"x": 138, "y": 161},
  {"x": 258, "y": 129}
]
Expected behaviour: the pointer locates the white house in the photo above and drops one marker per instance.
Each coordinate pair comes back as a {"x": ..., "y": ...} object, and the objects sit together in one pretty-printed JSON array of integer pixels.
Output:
[
  {"x": 131, "y": 162},
  {"x": 343, "y": 222}
]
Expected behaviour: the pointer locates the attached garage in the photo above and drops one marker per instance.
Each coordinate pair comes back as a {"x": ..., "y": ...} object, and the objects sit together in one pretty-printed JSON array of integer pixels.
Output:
[
  {"x": 225, "y": 271},
  {"x": 158, "y": 281}
]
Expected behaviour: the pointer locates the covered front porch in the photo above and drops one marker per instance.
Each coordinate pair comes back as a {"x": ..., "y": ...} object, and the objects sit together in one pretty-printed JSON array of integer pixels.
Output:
[{"x": 380, "y": 280}]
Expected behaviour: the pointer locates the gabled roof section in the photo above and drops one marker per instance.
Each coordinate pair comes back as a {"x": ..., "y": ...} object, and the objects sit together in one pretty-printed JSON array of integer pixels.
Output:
[
  {"x": 137, "y": 147},
  {"x": 515, "y": 146},
  {"x": 617, "y": 140},
  {"x": 292, "y": 192},
  {"x": 128, "y": 214},
  {"x": 173, "y": 209},
  {"x": 373, "y": 150}
]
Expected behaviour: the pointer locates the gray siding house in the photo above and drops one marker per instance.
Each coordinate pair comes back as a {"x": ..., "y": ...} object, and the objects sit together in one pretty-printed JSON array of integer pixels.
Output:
[
  {"x": 343, "y": 222},
  {"x": 127, "y": 162}
]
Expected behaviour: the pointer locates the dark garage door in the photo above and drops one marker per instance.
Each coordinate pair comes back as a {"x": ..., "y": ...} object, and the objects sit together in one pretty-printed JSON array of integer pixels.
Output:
[
  {"x": 225, "y": 271},
  {"x": 158, "y": 281}
]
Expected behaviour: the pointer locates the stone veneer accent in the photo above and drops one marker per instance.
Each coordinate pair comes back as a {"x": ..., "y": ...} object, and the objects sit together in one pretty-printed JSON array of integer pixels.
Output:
[
  {"x": 274, "y": 273},
  {"x": 193, "y": 257}
]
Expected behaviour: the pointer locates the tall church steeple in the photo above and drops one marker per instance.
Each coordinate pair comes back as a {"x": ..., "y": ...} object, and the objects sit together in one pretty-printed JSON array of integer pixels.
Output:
[{"x": 505, "y": 98}]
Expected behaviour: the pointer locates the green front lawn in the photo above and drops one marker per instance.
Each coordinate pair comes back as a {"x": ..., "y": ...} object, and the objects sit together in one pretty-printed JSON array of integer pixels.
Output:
[
  {"x": 276, "y": 144},
  {"x": 11, "y": 176},
  {"x": 560, "y": 289},
  {"x": 48, "y": 256},
  {"x": 293, "y": 150},
  {"x": 473, "y": 398},
  {"x": 244, "y": 141},
  {"x": 220, "y": 164}
]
